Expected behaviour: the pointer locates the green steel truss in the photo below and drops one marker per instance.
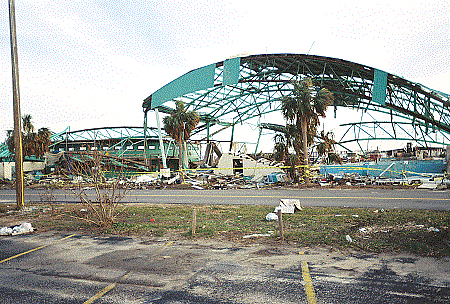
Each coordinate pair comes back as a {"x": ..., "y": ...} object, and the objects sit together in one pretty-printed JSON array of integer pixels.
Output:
[
  {"x": 93, "y": 134},
  {"x": 122, "y": 142},
  {"x": 414, "y": 112}
]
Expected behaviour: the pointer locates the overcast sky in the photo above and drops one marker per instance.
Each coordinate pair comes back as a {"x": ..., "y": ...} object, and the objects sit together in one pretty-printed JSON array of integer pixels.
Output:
[{"x": 90, "y": 64}]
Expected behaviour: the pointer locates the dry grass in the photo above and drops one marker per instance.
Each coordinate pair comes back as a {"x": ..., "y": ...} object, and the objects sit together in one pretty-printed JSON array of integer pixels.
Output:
[{"x": 385, "y": 231}]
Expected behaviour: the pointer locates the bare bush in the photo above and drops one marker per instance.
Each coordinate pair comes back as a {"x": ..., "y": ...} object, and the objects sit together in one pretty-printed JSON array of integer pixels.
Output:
[
  {"x": 97, "y": 185},
  {"x": 47, "y": 197}
]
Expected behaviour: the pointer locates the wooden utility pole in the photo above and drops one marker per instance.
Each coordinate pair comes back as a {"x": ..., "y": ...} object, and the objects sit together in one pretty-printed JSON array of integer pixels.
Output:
[{"x": 16, "y": 107}]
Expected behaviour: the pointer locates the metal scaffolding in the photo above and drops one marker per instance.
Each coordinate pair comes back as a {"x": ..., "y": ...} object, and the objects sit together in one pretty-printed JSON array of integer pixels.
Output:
[{"x": 239, "y": 89}]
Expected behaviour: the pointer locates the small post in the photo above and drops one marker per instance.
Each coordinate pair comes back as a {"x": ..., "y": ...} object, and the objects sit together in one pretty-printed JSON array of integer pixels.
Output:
[
  {"x": 280, "y": 223},
  {"x": 194, "y": 220}
]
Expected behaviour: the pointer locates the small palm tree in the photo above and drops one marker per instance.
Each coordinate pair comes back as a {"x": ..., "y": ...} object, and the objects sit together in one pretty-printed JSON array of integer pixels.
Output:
[
  {"x": 10, "y": 140},
  {"x": 326, "y": 144},
  {"x": 179, "y": 125},
  {"x": 280, "y": 150},
  {"x": 326, "y": 147},
  {"x": 302, "y": 109}
]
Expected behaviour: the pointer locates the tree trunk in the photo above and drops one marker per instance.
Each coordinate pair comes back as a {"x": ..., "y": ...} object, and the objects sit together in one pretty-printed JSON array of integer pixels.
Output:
[
  {"x": 305, "y": 150},
  {"x": 180, "y": 160}
]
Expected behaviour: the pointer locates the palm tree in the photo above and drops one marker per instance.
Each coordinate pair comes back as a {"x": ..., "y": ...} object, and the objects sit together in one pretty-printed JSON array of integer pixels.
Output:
[
  {"x": 32, "y": 143},
  {"x": 43, "y": 141},
  {"x": 302, "y": 109},
  {"x": 179, "y": 125},
  {"x": 27, "y": 125}
]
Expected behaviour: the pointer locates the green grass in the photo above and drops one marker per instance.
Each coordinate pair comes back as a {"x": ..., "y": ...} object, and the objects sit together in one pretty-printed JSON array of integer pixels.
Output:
[{"x": 389, "y": 231}]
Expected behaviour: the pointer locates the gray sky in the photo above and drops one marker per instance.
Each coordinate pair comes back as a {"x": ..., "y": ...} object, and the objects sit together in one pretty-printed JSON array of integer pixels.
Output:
[{"x": 90, "y": 64}]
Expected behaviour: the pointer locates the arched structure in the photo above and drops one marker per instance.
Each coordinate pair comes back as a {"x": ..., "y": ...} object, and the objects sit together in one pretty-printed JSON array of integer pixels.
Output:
[{"x": 242, "y": 88}]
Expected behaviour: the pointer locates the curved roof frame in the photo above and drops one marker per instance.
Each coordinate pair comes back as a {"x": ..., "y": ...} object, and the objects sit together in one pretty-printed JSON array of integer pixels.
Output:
[{"x": 242, "y": 88}]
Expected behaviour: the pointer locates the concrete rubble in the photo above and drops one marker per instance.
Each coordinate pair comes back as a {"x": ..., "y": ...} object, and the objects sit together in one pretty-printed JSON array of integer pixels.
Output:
[{"x": 217, "y": 171}]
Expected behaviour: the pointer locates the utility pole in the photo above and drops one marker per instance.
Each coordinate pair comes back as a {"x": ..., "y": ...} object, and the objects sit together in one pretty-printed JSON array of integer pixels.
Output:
[{"x": 16, "y": 108}]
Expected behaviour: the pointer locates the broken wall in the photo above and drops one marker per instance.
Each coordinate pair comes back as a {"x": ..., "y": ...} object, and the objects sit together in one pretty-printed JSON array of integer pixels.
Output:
[
  {"x": 7, "y": 168},
  {"x": 250, "y": 167}
]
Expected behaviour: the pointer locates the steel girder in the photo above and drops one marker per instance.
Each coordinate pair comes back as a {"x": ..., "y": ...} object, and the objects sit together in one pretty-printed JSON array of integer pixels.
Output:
[{"x": 263, "y": 80}]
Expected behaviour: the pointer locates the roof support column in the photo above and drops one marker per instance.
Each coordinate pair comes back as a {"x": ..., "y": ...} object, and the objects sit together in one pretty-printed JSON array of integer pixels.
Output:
[
  {"x": 145, "y": 138},
  {"x": 207, "y": 132},
  {"x": 232, "y": 135},
  {"x": 257, "y": 143},
  {"x": 161, "y": 143},
  {"x": 448, "y": 158}
]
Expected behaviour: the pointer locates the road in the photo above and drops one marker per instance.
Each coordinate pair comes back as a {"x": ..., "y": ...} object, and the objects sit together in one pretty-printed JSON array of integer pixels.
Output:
[
  {"x": 371, "y": 198},
  {"x": 86, "y": 269}
]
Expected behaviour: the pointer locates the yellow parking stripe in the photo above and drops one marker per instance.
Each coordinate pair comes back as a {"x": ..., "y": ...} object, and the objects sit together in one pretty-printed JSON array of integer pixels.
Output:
[
  {"x": 99, "y": 294},
  {"x": 167, "y": 244},
  {"x": 31, "y": 250},
  {"x": 310, "y": 294},
  {"x": 105, "y": 290}
]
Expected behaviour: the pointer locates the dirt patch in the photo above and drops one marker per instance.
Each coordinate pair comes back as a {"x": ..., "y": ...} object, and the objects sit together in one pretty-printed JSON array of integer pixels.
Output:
[
  {"x": 166, "y": 262},
  {"x": 270, "y": 252}
]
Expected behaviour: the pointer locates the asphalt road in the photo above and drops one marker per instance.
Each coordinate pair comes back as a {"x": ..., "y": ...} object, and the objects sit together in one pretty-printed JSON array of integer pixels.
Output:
[
  {"x": 372, "y": 198},
  {"x": 85, "y": 269}
]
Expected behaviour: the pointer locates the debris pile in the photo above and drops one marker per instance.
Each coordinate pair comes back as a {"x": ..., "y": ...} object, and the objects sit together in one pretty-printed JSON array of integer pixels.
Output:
[
  {"x": 15, "y": 230},
  {"x": 286, "y": 205}
]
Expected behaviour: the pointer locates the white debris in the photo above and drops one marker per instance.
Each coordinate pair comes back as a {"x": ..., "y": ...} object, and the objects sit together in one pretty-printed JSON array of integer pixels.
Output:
[
  {"x": 23, "y": 228},
  {"x": 20, "y": 229},
  {"x": 255, "y": 235},
  {"x": 173, "y": 179},
  {"x": 355, "y": 215},
  {"x": 288, "y": 205},
  {"x": 432, "y": 229},
  {"x": 348, "y": 238},
  {"x": 271, "y": 217},
  {"x": 428, "y": 185},
  {"x": 363, "y": 230},
  {"x": 146, "y": 178},
  {"x": 5, "y": 231},
  {"x": 77, "y": 179}
]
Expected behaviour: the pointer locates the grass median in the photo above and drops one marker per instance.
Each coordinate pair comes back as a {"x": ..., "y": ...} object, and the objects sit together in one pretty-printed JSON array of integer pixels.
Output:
[{"x": 422, "y": 232}]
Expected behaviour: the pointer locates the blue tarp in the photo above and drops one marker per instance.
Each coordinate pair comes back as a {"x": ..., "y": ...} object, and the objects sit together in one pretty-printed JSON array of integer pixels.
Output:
[{"x": 398, "y": 168}]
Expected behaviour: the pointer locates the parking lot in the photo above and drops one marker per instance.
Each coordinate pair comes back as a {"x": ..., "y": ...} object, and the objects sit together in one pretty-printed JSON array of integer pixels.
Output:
[{"x": 72, "y": 268}]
